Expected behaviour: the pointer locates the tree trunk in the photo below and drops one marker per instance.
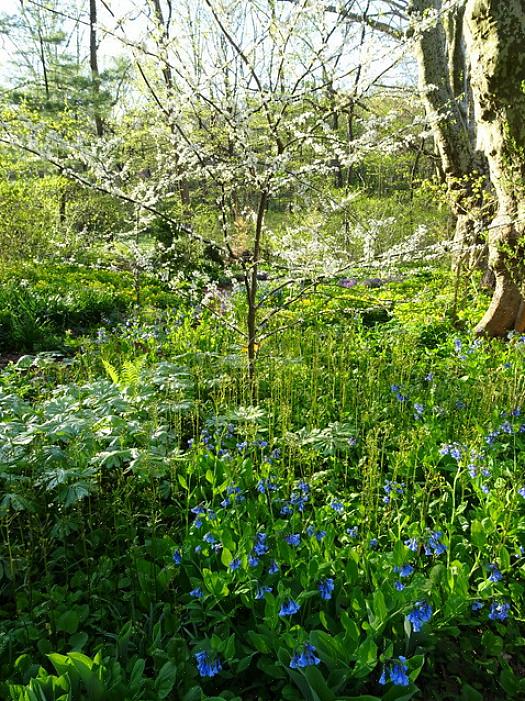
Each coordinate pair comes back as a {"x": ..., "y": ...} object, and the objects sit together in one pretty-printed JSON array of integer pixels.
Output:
[
  {"x": 93, "y": 62},
  {"x": 443, "y": 83},
  {"x": 496, "y": 37}
]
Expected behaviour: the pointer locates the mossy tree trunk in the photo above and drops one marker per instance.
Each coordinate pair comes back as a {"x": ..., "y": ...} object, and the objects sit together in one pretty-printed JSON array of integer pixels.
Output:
[
  {"x": 443, "y": 70},
  {"x": 495, "y": 33}
]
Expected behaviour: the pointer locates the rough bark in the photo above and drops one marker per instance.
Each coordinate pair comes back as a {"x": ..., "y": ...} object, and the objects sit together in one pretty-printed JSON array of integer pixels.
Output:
[{"x": 495, "y": 38}]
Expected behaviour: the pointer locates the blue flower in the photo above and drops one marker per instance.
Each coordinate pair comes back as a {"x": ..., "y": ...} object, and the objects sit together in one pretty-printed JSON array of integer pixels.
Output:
[
  {"x": 352, "y": 532},
  {"x": 412, "y": 544},
  {"x": 396, "y": 672},
  {"x": 274, "y": 568},
  {"x": 307, "y": 658},
  {"x": 433, "y": 546},
  {"x": 404, "y": 570},
  {"x": 198, "y": 510},
  {"x": 499, "y": 611},
  {"x": 299, "y": 500},
  {"x": 177, "y": 557},
  {"x": 421, "y": 614},
  {"x": 225, "y": 503},
  {"x": 197, "y": 523},
  {"x": 197, "y": 593},
  {"x": 286, "y": 510},
  {"x": 261, "y": 591},
  {"x": 521, "y": 492},
  {"x": 320, "y": 535},
  {"x": 294, "y": 539},
  {"x": 495, "y": 574},
  {"x": 235, "y": 564},
  {"x": 337, "y": 507},
  {"x": 304, "y": 487},
  {"x": 373, "y": 543},
  {"x": 477, "y": 605},
  {"x": 399, "y": 586},
  {"x": 264, "y": 486},
  {"x": 289, "y": 608},
  {"x": 326, "y": 587},
  {"x": 207, "y": 667},
  {"x": 209, "y": 538}
]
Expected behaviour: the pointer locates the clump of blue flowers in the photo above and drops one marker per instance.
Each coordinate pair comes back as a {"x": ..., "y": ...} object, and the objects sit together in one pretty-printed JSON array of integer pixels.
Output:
[
  {"x": 420, "y": 614},
  {"x": 395, "y": 672},
  {"x": 306, "y": 658},
  {"x": 206, "y": 666}
]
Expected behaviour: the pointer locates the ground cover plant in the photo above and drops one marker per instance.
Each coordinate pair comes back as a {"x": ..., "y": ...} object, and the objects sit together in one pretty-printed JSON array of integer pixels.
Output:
[{"x": 355, "y": 534}]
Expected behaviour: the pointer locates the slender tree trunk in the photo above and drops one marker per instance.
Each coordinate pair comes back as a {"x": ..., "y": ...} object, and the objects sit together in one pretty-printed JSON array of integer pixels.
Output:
[
  {"x": 93, "y": 62},
  {"x": 496, "y": 40}
]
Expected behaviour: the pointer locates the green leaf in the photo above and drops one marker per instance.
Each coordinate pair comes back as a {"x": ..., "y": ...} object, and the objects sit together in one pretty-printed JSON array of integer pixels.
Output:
[
  {"x": 165, "y": 680},
  {"x": 68, "y": 622}
]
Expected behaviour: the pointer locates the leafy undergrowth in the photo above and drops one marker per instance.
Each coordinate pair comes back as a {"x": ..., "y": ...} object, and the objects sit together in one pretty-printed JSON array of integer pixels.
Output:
[{"x": 356, "y": 534}]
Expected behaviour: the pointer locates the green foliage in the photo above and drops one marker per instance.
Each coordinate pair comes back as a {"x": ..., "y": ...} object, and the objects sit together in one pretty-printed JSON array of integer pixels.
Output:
[{"x": 365, "y": 442}]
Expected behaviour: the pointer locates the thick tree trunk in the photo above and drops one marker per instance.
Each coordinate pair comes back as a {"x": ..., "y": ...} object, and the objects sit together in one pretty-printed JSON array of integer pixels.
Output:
[
  {"x": 443, "y": 83},
  {"x": 496, "y": 40}
]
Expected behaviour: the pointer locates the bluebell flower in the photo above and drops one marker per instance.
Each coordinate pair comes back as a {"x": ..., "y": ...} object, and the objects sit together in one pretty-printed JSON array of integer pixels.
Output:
[
  {"x": 473, "y": 470},
  {"x": 433, "y": 545},
  {"x": 395, "y": 672},
  {"x": 197, "y": 593},
  {"x": 412, "y": 544},
  {"x": 420, "y": 614},
  {"x": 491, "y": 437},
  {"x": 495, "y": 574},
  {"x": 261, "y": 591},
  {"x": 242, "y": 446},
  {"x": 326, "y": 588},
  {"x": 299, "y": 500},
  {"x": 485, "y": 489},
  {"x": 260, "y": 549},
  {"x": 418, "y": 409},
  {"x": 225, "y": 503},
  {"x": 429, "y": 377},
  {"x": 306, "y": 658},
  {"x": 477, "y": 605},
  {"x": 304, "y": 487},
  {"x": 320, "y": 535},
  {"x": 265, "y": 485},
  {"x": 516, "y": 412},
  {"x": 177, "y": 557},
  {"x": 289, "y": 608},
  {"x": 275, "y": 454},
  {"x": 274, "y": 568},
  {"x": 403, "y": 570},
  {"x": 294, "y": 539},
  {"x": 253, "y": 561},
  {"x": 499, "y": 611},
  {"x": 235, "y": 564},
  {"x": 197, "y": 523},
  {"x": 373, "y": 543},
  {"x": 198, "y": 510},
  {"x": 286, "y": 510},
  {"x": 506, "y": 427},
  {"x": 207, "y": 667},
  {"x": 209, "y": 538},
  {"x": 395, "y": 388},
  {"x": 198, "y": 548},
  {"x": 337, "y": 507},
  {"x": 352, "y": 532},
  {"x": 521, "y": 492},
  {"x": 310, "y": 531},
  {"x": 399, "y": 586},
  {"x": 211, "y": 515},
  {"x": 233, "y": 489}
]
